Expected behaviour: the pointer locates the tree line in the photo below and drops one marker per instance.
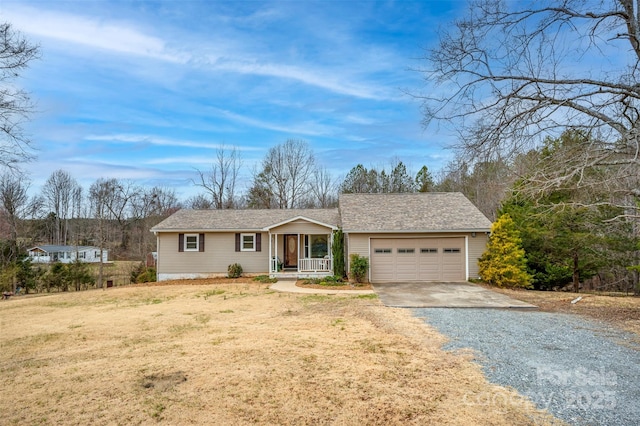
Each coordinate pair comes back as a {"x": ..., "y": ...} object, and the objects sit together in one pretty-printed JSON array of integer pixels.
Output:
[{"x": 545, "y": 100}]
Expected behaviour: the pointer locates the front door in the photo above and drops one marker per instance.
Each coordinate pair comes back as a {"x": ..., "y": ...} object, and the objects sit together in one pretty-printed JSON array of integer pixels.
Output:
[{"x": 290, "y": 250}]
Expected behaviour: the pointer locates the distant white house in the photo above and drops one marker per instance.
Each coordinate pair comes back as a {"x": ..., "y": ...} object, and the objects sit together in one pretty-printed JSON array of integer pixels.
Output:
[{"x": 66, "y": 254}]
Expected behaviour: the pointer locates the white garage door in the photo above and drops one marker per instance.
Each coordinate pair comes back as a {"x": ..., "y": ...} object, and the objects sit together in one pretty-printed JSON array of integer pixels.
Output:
[{"x": 417, "y": 259}]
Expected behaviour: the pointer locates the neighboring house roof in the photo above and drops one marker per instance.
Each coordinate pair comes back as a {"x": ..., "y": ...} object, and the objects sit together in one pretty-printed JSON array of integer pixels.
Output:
[
  {"x": 419, "y": 212},
  {"x": 242, "y": 220},
  {"x": 54, "y": 248}
]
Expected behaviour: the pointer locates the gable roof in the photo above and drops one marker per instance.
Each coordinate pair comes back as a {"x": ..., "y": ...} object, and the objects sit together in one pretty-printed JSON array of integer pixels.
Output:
[
  {"x": 411, "y": 212},
  {"x": 242, "y": 220}
]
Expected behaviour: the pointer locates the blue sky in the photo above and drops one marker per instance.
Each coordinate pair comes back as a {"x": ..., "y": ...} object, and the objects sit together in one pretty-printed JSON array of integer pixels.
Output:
[{"x": 149, "y": 90}]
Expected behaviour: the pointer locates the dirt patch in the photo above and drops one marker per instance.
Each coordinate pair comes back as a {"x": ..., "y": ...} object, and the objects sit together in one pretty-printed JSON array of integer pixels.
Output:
[
  {"x": 236, "y": 353},
  {"x": 621, "y": 311},
  {"x": 163, "y": 382}
]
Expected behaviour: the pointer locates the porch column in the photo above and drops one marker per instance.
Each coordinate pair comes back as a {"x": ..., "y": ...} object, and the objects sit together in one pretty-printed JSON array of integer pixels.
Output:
[
  {"x": 270, "y": 256},
  {"x": 276, "y": 236},
  {"x": 330, "y": 249},
  {"x": 299, "y": 258}
]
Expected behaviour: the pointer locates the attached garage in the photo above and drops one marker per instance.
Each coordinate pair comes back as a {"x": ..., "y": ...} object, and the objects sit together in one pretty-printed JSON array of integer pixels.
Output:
[
  {"x": 418, "y": 259},
  {"x": 414, "y": 237}
]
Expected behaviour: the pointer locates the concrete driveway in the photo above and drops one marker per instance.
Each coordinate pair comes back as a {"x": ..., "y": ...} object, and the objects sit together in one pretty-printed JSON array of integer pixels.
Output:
[{"x": 443, "y": 295}]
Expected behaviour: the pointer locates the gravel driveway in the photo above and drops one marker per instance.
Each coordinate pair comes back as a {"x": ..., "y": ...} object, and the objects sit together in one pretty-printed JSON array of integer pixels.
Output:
[{"x": 583, "y": 371}]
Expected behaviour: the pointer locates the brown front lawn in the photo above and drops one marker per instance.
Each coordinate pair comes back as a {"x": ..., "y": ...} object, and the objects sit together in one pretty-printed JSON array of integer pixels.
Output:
[{"x": 235, "y": 353}]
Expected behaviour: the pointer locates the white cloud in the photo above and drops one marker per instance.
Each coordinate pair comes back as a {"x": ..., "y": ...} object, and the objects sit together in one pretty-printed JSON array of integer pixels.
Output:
[
  {"x": 308, "y": 128},
  {"x": 322, "y": 79},
  {"x": 91, "y": 32},
  {"x": 238, "y": 54},
  {"x": 160, "y": 141}
]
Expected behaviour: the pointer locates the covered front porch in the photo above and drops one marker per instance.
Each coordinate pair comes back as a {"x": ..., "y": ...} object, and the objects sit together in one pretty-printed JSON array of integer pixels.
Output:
[{"x": 300, "y": 255}]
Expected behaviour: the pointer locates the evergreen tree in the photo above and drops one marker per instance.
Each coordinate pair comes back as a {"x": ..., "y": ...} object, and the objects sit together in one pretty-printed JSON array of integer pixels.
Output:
[{"x": 503, "y": 264}]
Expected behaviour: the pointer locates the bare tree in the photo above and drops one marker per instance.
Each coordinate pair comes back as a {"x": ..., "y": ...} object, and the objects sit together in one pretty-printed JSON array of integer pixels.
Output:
[
  {"x": 15, "y": 104},
  {"x": 148, "y": 208},
  {"x": 510, "y": 74},
  {"x": 324, "y": 188},
  {"x": 220, "y": 181},
  {"x": 100, "y": 193},
  {"x": 198, "y": 202},
  {"x": 119, "y": 197},
  {"x": 285, "y": 177},
  {"x": 59, "y": 192},
  {"x": 14, "y": 201}
]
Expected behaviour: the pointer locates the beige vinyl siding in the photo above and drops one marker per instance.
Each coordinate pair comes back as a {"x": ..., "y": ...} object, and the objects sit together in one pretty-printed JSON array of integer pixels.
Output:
[
  {"x": 477, "y": 246},
  {"x": 218, "y": 255}
]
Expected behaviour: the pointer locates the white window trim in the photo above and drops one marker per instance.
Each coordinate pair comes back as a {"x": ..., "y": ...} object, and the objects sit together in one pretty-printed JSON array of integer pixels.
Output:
[
  {"x": 197, "y": 248},
  {"x": 253, "y": 238}
]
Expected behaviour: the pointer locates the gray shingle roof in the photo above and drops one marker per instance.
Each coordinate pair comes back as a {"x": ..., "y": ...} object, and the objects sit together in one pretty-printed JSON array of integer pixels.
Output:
[
  {"x": 416, "y": 212},
  {"x": 430, "y": 211},
  {"x": 248, "y": 220}
]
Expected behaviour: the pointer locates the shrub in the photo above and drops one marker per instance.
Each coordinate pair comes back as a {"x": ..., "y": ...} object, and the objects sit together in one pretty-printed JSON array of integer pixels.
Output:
[
  {"x": 142, "y": 274},
  {"x": 148, "y": 276},
  {"x": 136, "y": 271},
  {"x": 337, "y": 249},
  {"x": 359, "y": 267},
  {"x": 265, "y": 279},
  {"x": 234, "y": 270},
  {"x": 329, "y": 280},
  {"x": 503, "y": 264}
]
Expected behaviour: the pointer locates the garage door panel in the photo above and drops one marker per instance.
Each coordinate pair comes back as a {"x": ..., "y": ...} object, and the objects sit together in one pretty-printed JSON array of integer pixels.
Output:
[{"x": 383, "y": 263}]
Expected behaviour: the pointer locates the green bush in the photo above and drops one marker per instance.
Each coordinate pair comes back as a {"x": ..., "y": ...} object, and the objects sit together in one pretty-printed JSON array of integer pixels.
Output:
[
  {"x": 148, "y": 276},
  {"x": 141, "y": 274},
  {"x": 359, "y": 267},
  {"x": 337, "y": 249},
  {"x": 329, "y": 280},
  {"x": 503, "y": 263},
  {"x": 234, "y": 270},
  {"x": 265, "y": 279}
]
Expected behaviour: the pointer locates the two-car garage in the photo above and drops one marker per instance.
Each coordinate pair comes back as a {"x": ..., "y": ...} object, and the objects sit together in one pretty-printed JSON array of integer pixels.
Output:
[{"x": 418, "y": 259}]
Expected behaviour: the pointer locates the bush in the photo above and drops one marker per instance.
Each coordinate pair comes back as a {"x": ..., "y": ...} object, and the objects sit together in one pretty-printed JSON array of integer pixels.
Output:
[
  {"x": 504, "y": 264},
  {"x": 265, "y": 279},
  {"x": 330, "y": 280},
  {"x": 359, "y": 267},
  {"x": 136, "y": 271},
  {"x": 234, "y": 271},
  {"x": 148, "y": 276},
  {"x": 338, "y": 253}
]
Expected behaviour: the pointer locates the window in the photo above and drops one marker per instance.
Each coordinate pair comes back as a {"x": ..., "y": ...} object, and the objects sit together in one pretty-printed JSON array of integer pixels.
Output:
[
  {"x": 429, "y": 250},
  {"x": 406, "y": 250},
  {"x": 191, "y": 242},
  {"x": 248, "y": 242},
  {"x": 319, "y": 246},
  {"x": 451, "y": 250},
  {"x": 382, "y": 250}
]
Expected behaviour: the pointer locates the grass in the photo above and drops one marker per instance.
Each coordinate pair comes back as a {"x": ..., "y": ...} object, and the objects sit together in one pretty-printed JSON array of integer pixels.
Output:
[{"x": 274, "y": 358}]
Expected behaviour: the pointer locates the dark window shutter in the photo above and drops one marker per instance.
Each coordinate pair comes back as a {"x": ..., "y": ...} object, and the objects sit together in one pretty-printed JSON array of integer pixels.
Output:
[
  {"x": 258, "y": 242},
  {"x": 237, "y": 242},
  {"x": 201, "y": 245},
  {"x": 180, "y": 242}
]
